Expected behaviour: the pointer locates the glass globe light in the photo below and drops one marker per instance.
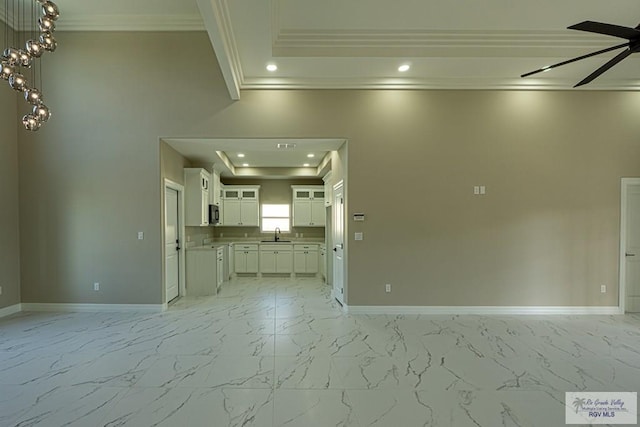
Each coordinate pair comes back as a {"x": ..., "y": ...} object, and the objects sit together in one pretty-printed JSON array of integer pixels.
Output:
[
  {"x": 46, "y": 24},
  {"x": 50, "y": 10},
  {"x": 6, "y": 70},
  {"x": 18, "y": 82},
  {"x": 48, "y": 42},
  {"x": 25, "y": 59},
  {"x": 34, "y": 48},
  {"x": 31, "y": 122},
  {"x": 41, "y": 112},
  {"x": 33, "y": 96},
  {"x": 11, "y": 55}
]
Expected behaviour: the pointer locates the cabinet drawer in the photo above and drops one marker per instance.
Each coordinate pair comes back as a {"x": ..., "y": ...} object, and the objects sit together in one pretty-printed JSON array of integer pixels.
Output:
[
  {"x": 308, "y": 247},
  {"x": 250, "y": 247},
  {"x": 276, "y": 248}
]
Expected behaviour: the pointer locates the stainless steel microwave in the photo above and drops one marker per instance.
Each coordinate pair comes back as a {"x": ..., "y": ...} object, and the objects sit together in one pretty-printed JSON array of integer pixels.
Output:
[{"x": 214, "y": 214}]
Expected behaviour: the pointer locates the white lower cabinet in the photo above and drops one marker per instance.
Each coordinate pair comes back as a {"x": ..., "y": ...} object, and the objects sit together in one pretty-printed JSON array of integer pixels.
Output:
[
  {"x": 205, "y": 271},
  {"x": 322, "y": 259},
  {"x": 305, "y": 258},
  {"x": 276, "y": 258},
  {"x": 219, "y": 267},
  {"x": 231, "y": 260},
  {"x": 246, "y": 258}
]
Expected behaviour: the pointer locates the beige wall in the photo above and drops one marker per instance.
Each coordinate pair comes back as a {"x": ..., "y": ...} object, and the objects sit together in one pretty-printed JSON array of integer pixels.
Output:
[
  {"x": 546, "y": 232},
  {"x": 9, "y": 232},
  {"x": 172, "y": 164}
]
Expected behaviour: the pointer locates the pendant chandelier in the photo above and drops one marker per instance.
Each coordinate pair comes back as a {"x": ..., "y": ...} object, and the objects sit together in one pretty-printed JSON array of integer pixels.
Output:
[{"x": 27, "y": 42}]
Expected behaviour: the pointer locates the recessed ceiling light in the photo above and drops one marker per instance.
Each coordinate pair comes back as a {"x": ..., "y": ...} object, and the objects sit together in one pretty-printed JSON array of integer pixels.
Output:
[
  {"x": 306, "y": 165},
  {"x": 311, "y": 156},
  {"x": 283, "y": 146},
  {"x": 272, "y": 67},
  {"x": 404, "y": 67},
  {"x": 246, "y": 165},
  {"x": 240, "y": 155}
]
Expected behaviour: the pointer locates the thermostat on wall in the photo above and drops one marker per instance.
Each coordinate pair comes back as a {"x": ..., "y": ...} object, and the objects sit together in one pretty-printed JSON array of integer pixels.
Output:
[{"x": 358, "y": 217}]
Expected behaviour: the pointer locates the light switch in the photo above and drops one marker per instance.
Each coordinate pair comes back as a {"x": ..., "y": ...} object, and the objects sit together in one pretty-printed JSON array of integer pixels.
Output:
[
  {"x": 476, "y": 190},
  {"x": 359, "y": 236},
  {"x": 482, "y": 189},
  {"x": 140, "y": 235}
]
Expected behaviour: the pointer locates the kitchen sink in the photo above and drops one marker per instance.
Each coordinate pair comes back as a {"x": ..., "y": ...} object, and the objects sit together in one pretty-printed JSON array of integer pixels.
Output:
[{"x": 274, "y": 241}]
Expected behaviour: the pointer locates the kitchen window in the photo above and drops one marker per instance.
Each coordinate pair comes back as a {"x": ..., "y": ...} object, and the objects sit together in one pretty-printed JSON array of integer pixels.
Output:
[{"x": 276, "y": 216}]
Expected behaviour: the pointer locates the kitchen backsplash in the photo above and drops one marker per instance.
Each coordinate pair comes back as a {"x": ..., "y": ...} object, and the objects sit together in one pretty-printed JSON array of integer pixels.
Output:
[
  {"x": 196, "y": 235},
  {"x": 254, "y": 232}
]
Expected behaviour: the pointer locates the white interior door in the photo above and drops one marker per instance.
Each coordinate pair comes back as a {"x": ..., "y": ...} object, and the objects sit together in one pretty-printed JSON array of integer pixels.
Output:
[
  {"x": 171, "y": 244},
  {"x": 631, "y": 263},
  {"x": 338, "y": 242}
]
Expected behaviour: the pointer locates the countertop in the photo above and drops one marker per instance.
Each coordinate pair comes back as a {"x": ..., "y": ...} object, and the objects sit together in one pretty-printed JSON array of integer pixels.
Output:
[{"x": 219, "y": 243}]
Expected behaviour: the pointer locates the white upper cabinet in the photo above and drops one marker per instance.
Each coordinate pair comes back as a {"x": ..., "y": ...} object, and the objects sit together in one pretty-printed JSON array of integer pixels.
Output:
[
  {"x": 308, "y": 206},
  {"x": 196, "y": 188},
  {"x": 241, "y": 206},
  {"x": 215, "y": 195},
  {"x": 328, "y": 189}
]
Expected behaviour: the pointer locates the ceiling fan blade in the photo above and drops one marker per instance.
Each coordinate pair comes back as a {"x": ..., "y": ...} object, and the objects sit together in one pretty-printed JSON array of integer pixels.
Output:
[
  {"x": 569, "y": 61},
  {"x": 607, "y": 29},
  {"x": 619, "y": 57}
]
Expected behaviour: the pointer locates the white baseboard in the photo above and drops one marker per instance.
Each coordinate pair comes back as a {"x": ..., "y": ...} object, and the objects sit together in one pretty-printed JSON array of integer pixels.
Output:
[
  {"x": 95, "y": 308},
  {"x": 12, "y": 309},
  {"x": 482, "y": 310}
]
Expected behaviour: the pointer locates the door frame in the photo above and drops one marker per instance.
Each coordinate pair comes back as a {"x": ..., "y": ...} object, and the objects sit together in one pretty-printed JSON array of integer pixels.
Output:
[
  {"x": 622, "y": 286},
  {"x": 169, "y": 184}
]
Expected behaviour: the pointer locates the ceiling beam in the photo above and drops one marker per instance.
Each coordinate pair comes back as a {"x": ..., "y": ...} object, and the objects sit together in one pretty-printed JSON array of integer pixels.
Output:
[{"x": 215, "y": 15}]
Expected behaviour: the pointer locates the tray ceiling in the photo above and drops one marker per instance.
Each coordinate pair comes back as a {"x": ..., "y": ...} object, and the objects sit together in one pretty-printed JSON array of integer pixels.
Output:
[{"x": 449, "y": 44}]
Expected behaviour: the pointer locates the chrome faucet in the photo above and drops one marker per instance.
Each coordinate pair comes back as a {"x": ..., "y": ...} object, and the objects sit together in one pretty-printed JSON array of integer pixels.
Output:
[{"x": 276, "y": 234}]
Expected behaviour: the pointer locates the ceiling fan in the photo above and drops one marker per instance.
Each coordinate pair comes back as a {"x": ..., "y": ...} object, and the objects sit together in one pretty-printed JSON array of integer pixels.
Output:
[{"x": 632, "y": 35}]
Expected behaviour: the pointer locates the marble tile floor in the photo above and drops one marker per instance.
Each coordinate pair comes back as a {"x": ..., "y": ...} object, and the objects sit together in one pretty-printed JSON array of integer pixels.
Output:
[{"x": 281, "y": 352}]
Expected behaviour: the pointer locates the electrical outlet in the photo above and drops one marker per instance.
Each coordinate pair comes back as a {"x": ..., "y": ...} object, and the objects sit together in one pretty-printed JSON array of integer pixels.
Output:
[
  {"x": 96, "y": 286},
  {"x": 387, "y": 288},
  {"x": 603, "y": 289},
  {"x": 140, "y": 235}
]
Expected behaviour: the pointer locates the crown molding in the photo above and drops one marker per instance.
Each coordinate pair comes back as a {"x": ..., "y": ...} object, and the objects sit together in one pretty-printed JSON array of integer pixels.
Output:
[
  {"x": 426, "y": 43},
  {"x": 217, "y": 22},
  {"x": 130, "y": 23},
  {"x": 437, "y": 84}
]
